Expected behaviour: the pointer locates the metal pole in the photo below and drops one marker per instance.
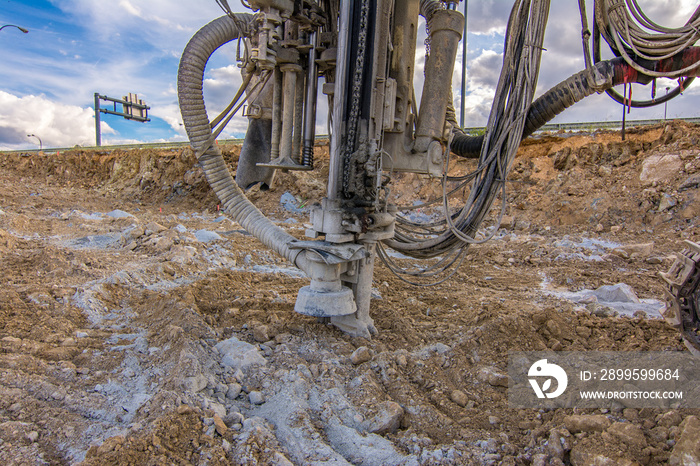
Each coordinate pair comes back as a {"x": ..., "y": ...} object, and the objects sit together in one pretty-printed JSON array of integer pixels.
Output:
[
  {"x": 276, "y": 134},
  {"x": 624, "y": 110},
  {"x": 666, "y": 104},
  {"x": 464, "y": 67},
  {"x": 98, "y": 135},
  {"x": 14, "y": 26},
  {"x": 309, "y": 127},
  {"x": 289, "y": 88},
  {"x": 41, "y": 145},
  {"x": 335, "y": 171}
]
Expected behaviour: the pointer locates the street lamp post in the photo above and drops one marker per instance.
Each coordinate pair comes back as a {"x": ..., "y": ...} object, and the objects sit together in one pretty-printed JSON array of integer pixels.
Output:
[
  {"x": 14, "y": 26},
  {"x": 666, "y": 104},
  {"x": 41, "y": 146},
  {"x": 463, "y": 95}
]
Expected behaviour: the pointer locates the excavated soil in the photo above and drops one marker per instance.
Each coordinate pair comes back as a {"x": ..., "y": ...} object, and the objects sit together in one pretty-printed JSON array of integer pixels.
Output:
[{"x": 123, "y": 284}]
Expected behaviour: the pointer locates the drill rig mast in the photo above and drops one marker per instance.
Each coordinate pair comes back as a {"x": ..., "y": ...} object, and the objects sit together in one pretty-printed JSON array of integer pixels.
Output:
[{"x": 365, "y": 53}]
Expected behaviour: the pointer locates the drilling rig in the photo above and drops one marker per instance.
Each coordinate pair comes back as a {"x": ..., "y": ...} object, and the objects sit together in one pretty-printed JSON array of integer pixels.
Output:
[{"x": 361, "y": 56}]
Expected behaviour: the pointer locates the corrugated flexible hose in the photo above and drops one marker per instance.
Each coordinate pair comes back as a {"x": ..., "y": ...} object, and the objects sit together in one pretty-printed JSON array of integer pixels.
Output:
[
  {"x": 550, "y": 104},
  {"x": 194, "y": 115},
  {"x": 602, "y": 76}
]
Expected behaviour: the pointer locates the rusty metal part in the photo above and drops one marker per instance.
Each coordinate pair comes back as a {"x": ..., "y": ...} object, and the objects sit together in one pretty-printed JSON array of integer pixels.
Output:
[
  {"x": 403, "y": 36},
  {"x": 276, "y": 114},
  {"x": 282, "y": 5},
  {"x": 683, "y": 296},
  {"x": 446, "y": 32}
]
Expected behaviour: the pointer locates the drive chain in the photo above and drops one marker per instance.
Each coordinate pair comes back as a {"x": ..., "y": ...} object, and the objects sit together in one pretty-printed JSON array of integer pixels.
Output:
[{"x": 355, "y": 97}]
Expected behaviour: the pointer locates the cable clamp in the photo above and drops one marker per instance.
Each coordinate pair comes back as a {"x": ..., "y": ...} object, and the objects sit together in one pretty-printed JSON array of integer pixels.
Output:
[
  {"x": 535, "y": 46},
  {"x": 599, "y": 81}
]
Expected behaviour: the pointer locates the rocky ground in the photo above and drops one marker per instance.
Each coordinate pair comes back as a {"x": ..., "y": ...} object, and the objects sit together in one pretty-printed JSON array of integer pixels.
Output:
[{"x": 140, "y": 325}]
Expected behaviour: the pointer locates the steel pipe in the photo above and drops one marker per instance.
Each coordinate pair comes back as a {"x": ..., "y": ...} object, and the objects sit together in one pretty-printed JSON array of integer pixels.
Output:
[{"x": 446, "y": 28}]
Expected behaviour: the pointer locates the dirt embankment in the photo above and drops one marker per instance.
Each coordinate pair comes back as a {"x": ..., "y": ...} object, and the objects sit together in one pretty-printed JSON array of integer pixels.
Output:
[{"x": 139, "y": 325}]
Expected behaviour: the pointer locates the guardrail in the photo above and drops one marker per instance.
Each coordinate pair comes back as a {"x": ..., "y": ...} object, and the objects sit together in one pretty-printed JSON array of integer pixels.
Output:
[
  {"x": 145, "y": 145},
  {"x": 591, "y": 125}
]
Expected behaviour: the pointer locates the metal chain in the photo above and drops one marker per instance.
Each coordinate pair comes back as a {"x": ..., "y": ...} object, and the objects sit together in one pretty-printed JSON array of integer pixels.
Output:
[{"x": 356, "y": 97}]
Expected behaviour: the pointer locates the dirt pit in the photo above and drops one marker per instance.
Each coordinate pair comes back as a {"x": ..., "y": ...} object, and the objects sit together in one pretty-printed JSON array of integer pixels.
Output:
[{"x": 140, "y": 325}]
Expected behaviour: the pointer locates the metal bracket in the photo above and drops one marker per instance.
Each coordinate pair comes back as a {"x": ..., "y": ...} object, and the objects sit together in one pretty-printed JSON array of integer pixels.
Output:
[
  {"x": 330, "y": 253},
  {"x": 326, "y": 296},
  {"x": 284, "y": 163}
]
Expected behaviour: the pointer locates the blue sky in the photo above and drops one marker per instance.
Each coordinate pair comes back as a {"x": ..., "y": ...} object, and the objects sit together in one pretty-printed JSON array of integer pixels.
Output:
[{"x": 75, "y": 48}]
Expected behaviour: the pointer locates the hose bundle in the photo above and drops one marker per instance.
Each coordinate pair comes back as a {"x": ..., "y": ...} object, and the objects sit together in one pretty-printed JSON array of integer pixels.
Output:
[
  {"x": 632, "y": 35},
  {"x": 450, "y": 237}
]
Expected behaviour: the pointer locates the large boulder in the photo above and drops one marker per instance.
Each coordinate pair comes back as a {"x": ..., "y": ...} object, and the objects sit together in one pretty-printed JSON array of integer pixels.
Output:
[{"x": 660, "y": 168}]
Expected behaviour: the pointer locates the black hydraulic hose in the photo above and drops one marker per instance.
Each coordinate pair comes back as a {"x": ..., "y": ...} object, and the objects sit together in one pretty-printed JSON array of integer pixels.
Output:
[
  {"x": 550, "y": 104},
  {"x": 569, "y": 92},
  {"x": 602, "y": 77}
]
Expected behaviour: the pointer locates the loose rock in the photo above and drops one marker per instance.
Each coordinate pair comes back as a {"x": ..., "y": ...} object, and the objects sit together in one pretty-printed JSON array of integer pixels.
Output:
[
  {"x": 620, "y": 293},
  {"x": 580, "y": 456},
  {"x": 687, "y": 450},
  {"x": 221, "y": 428},
  {"x": 635, "y": 250},
  {"x": 387, "y": 420},
  {"x": 184, "y": 409},
  {"x": 669, "y": 419},
  {"x": 691, "y": 183},
  {"x": 256, "y": 397},
  {"x": 460, "y": 398},
  {"x": 493, "y": 377},
  {"x": 195, "y": 383},
  {"x": 667, "y": 202},
  {"x": 239, "y": 354},
  {"x": 234, "y": 389},
  {"x": 154, "y": 227},
  {"x": 261, "y": 333},
  {"x": 360, "y": 355},
  {"x": 555, "y": 447},
  {"x": 586, "y": 423},
  {"x": 660, "y": 168},
  {"x": 628, "y": 433}
]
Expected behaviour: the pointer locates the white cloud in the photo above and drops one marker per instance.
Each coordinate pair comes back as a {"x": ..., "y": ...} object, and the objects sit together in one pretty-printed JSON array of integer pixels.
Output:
[
  {"x": 134, "y": 45},
  {"x": 111, "y": 48},
  {"x": 488, "y": 16},
  {"x": 159, "y": 21},
  {"x": 129, "y": 8},
  {"x": 563, "y": 57},
  {"x": 484, "y": 71},
  {"x": 57, "y": 125}
]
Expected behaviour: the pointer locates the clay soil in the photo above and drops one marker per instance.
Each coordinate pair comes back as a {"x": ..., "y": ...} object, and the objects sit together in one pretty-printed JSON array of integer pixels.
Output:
[{"x": 120, "y": 277}]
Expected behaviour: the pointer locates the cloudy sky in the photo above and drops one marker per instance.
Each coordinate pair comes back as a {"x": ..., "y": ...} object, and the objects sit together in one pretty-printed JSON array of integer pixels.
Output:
[{"x": 75, "y": 48}]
